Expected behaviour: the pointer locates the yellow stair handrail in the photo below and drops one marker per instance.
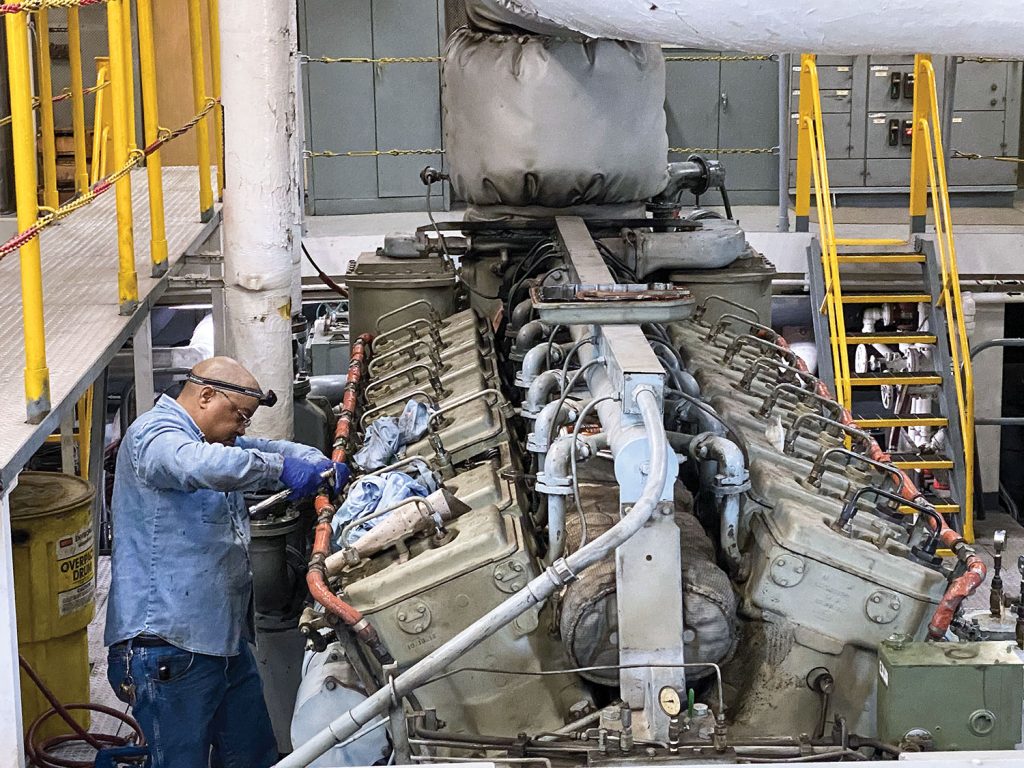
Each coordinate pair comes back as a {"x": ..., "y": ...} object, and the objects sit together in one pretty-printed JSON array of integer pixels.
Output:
[
  {"x": 812, "y": 165},
  {"x": 927, "y": 150}
]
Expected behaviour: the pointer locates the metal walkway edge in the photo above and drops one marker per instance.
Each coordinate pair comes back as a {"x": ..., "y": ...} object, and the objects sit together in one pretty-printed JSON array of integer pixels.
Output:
[{"x": 83, "y": 327}]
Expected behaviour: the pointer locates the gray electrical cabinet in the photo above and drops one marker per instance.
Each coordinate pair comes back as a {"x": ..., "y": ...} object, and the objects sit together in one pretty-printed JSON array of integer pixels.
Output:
[
  {"x": 867, "y": 104},
  {"x": 728, "y": 105},
  {"x": 366, "y": 106}
]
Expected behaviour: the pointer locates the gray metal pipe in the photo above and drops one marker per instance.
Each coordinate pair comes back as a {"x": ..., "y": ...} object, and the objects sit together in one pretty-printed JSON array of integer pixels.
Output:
[
  {"x": 527, "y": 336},
  {"x": 521, "y": 314},
  {"x": 551, "y": 417},
  {"x": 731, "y": 472},
  {"x": 536, "y": 591},
  {"x": 540, "y": 391},
  {"x": 785, "y": 123},
  {"x": 558, "y": 473},
  {"x": 536, "y": 361}
]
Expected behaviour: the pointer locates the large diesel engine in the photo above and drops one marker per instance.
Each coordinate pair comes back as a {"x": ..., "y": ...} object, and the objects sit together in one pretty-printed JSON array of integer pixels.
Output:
[{"x": 602, "y": 509}]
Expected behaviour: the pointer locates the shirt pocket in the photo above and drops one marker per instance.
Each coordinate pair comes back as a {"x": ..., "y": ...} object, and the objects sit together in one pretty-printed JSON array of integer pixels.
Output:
[
  {"x": 212, "y": 508},
  {"x": 215, "y": 516}
]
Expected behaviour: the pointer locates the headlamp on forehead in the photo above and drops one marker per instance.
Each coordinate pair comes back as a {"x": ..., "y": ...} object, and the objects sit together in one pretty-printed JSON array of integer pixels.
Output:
[{"x": 268, "y": 398}]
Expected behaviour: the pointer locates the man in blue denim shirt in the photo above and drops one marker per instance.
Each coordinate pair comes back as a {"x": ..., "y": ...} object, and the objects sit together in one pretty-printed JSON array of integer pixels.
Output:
[{"x": 179, "y": 616}]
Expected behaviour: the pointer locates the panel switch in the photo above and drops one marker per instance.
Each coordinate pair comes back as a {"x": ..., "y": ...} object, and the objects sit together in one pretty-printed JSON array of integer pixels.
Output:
[
  {"x": 895, "y": 85},
  {"x": 894, "y": 133},
  {"x": 908, "y": 86}
]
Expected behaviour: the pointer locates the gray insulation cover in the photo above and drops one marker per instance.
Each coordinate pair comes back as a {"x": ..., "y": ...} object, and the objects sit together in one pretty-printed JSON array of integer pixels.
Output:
[
  {"x": 533, "y": 120},
  {"x": 588, "y": 620},
  {"x": 506, "y": 17}
]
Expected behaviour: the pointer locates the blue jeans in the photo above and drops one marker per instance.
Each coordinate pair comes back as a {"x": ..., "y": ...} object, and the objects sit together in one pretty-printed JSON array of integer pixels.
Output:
[{"x": 197, "y": 710}]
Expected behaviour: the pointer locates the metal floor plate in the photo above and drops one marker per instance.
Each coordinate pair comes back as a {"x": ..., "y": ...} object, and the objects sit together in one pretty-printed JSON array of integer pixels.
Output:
[{"x": 83, "y": 327}]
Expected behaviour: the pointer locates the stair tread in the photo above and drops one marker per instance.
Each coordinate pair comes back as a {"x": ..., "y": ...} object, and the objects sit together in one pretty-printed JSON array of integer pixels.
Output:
[
  {"x": 919, "y": 461},
  {"x": 887, "y": 298},
  {"x": 881, "y": 337},
  {"x": 910, "y": 420},
  {"x": 880, "y": 258},
  {"x": 885, "y": 377}
]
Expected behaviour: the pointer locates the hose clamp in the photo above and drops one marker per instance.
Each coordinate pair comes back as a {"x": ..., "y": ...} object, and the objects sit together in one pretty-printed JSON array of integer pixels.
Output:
[
  {"x": 561, "y": 573},
  {"x": 731, "y": 486}
]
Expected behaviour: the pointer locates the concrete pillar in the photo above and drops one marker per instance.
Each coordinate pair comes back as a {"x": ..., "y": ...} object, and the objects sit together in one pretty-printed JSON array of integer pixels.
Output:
[{"x": 260, "y": 196}]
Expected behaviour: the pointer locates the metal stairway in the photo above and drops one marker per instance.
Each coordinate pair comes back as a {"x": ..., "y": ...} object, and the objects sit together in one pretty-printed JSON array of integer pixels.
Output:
[{"x": 936, "y": 445}]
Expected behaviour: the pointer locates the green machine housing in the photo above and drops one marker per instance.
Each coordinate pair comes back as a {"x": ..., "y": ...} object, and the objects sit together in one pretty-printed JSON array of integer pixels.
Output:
[{"x": 966, "y": 696}]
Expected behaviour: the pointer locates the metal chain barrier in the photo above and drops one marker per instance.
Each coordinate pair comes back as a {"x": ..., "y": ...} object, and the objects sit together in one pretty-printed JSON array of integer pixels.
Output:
[
  {"x": 368, "y": 60},
  {"x": 373, "y": 153},
  {"x": 975, "y": 156},
  {"x": 31, "y": 6},
  {"x": 305, "y": 58},
  {"x": 64, "y": 95},
  {"x": 985, "y": 60},
  {"x": 723, "y": 151},
  {"x": 741, "y": 57},
  {"x": 136, "y": 157}
]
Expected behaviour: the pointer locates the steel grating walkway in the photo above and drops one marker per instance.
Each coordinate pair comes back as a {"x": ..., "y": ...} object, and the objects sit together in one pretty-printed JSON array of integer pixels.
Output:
[{"x": 83, "y": 327}]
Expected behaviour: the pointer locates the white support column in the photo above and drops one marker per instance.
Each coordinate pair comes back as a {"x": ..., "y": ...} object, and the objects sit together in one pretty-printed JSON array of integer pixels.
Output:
[
  {"x": 298, "y": 140},
  {"x": 142, "y": 352},
  {"x": 12, "y": 751},
  {"x": 258, "y": 93}
]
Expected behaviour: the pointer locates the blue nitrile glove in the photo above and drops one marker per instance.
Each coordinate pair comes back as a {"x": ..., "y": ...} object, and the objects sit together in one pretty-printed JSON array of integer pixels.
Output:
[
  {"x": 341, "y": 476},
  {"x": 303, "y": 477}
]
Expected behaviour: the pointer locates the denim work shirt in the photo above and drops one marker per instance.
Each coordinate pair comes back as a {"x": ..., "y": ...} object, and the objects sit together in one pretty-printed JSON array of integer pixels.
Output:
[{"x": 180, "y": 566}]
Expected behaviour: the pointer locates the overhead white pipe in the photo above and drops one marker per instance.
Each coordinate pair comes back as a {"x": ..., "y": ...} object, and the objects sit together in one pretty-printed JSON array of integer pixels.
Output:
[
  {"x": 260, "y": 197},
  {"x": 992, "y": 28}
]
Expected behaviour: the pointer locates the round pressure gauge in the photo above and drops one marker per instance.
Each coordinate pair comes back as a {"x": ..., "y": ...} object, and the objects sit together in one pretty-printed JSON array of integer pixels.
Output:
[{"x": 671, "y": 703}]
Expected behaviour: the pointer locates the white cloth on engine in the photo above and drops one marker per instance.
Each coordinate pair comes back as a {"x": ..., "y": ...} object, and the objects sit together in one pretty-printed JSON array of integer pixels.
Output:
[
  {"x": 387, "y": 437},
  {"x": 372, "y": 492}
]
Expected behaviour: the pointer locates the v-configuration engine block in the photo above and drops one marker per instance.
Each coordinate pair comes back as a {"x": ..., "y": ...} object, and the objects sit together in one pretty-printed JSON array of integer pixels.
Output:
[
  {"x": 816, "y": 599},
  {"x": 614, "y": 496}
]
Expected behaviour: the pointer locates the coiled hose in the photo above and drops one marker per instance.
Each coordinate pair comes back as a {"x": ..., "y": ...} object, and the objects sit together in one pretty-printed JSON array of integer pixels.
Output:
[{"x": 41, "y": 752}]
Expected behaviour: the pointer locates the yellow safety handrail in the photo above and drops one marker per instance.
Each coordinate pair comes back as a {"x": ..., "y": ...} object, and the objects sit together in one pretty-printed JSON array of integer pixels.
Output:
[
  {"x": 115, "y": 148},
  {"x": 812, "y": 166},
  {"x": 928, "y": 148}
]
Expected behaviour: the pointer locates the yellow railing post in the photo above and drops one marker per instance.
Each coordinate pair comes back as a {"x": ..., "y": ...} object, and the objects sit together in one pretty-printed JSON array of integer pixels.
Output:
[
  {"x": 37, "y": 376},
  {"x": 218, "y": 112},
  {"x": 83, "y": 411},
  {"x": 100, "y": 120},
  {"x": 195, "y": 38},
  {"x": 129, "y": 71},
  {"x": 45, "y": 93},
  {"x": 802, "y": 205},
  {"x": 127, "y": 281},
  {"x": 919, "y": 160},
  {"x": 77, "y": 100},
  {"x": 151, "y": 124}
]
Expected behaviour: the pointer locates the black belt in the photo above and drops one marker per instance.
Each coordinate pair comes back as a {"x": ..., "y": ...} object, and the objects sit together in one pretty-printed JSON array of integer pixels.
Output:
[{"x": 146, "y": 641}]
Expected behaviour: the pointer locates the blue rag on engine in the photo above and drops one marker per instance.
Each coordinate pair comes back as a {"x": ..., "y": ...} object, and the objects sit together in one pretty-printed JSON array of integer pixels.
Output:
[
  {"x": 387, "y": 437},
  {"x": 373, "y": 492}
]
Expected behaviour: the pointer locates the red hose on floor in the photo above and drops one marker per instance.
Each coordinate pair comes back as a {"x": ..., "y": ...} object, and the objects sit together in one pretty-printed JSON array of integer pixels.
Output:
[{"x": 40, "y": 753}]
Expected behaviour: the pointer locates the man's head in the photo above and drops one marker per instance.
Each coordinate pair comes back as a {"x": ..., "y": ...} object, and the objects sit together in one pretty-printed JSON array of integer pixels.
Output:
[{"x": 221, "y": 396}]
